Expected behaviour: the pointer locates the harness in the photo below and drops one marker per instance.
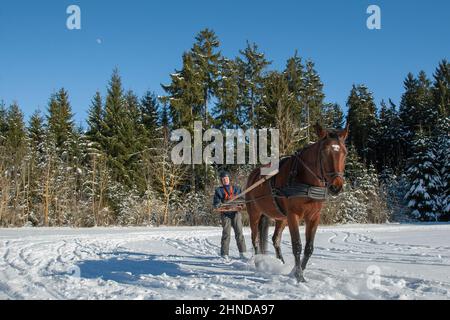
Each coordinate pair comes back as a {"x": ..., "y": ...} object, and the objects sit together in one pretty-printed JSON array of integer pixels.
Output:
[
  {"x": 229, "y": 196},
  {"x": 301, "y": 190}
]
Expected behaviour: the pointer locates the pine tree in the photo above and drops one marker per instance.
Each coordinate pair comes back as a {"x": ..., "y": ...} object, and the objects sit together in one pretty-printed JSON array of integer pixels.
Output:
[
  {"x": 275, "y": 91},
  {"x": 278, "y": 111},
  {"x": 252, "y": 65},
  {"x": 36, "y": 130},
  {"x": 164, "y": 117},
  {"x": 114, "y": 106},
  {"x": 95, "y": 119},
  {"x": 3, "y": 122},
  {"x": 312, "y": 99},
  {"x": 441, "y": 88},
  {"x": 15, "y": 137},
  {"x": 206, "y": 60},
  {"x": 115, "y": 115},
  {"x": 441, "y": 144},
  {"x": 354, "y": 168},
  {"x": 59, "y": 119},
  {"x": 15, "y": 147},
  {"x": 388, "y": 145},
  {"x": 424, "y": 181},
  {"x": 362, "y": 121},
  {"x": 332, "y": 116},
  {"x": 185, "y": 95},
  {"x": 227, "y": 112},
  {"x": 428, "y": 111},
  {"x": 36, "y": 138},
  {"x": 134, "y": 137},
  {"x": 294, "y": 74},
  {"x": 417, "y": 111},
  {"x": 150, "y": 113}
]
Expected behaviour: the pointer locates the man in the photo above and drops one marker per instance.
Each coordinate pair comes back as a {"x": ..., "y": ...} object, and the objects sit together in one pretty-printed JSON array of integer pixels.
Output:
[{"x": 229, "y": 218}]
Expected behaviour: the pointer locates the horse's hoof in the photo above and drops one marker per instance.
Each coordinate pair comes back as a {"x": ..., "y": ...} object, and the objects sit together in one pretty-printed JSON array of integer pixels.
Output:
[
  {"x": 301, "y": 280},
  {"x": 282, "y": 260}
]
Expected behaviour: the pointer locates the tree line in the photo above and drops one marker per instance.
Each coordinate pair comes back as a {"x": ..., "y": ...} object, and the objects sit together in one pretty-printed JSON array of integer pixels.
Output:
[{"x": 117, "y": 169}]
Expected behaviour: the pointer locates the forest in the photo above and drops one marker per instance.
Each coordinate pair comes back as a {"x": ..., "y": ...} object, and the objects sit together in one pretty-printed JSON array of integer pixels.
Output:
[{"x": 116, "y": 169}]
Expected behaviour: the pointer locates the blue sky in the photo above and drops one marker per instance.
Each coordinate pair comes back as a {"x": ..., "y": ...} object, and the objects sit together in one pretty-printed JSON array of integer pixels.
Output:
[{"x": 145, "y": 40}]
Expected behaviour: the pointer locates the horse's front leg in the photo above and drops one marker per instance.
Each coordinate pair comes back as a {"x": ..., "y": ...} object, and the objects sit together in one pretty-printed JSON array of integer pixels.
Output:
[
  {"x": 293, "y": 220},
  {"x": 310, "y": 233}
]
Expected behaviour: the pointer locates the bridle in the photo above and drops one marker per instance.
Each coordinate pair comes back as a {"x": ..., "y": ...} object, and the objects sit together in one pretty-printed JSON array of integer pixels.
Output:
[{"x": 322, "y": 178}]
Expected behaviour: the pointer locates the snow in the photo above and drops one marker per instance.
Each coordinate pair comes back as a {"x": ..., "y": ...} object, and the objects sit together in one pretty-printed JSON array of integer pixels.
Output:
[{"x": 182, "y": 263}]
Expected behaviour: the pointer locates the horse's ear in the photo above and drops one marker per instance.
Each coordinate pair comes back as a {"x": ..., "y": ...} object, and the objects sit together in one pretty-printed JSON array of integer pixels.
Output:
[
  {"x": 321, "y": 132},
  {"x": 344, "y": 133}
]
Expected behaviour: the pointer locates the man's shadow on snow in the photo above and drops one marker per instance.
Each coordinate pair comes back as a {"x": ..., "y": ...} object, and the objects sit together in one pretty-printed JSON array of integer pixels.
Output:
[{"x": 130, "y": 267}]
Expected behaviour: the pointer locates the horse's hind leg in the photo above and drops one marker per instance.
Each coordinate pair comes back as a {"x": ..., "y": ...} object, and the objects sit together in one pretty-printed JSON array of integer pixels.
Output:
[
  {"x": 279, "y": 227},
  {"x": 254, "y": 226},
  {"x": 263, "y": 233}
]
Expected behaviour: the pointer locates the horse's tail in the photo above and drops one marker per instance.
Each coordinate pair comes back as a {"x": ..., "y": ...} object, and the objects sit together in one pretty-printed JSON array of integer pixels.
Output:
[{"x": 263, "y": 227}]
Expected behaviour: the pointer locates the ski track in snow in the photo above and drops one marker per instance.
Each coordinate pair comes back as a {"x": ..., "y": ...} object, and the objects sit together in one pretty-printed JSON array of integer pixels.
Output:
[{"x": 183, "y": 263}]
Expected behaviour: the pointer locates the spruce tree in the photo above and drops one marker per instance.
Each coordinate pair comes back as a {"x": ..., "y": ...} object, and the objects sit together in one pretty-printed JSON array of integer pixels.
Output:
[
  {"x": 362, "y": 121},
  {"x": 252, "y": 66},
  {"x": 428, "y": 111},
  {"x": 95, "y": 119},
  {"x": 441, "y": 144},
  {"x": 3, "y": 122},
  {"x": 164, "y": 117},
  {"x": 278, "y": 111},
  {"x": 227, "y": 112},
  {"x": 312, "y": 98},
  {"x": 388, "y": 145},
  {"x": 36, "y": 130},
  {"x": 354, "y": 168},
  {"x": 114, "y": 106},
  {"x": 441, "y": 88},
  {"x": 36, "y": 138},
  {"x": 294, "y": 74},
  {"x": 206, "y": 59},
  {"x": 59, "y": 119},
  {"x": 15, "y": 137},
  {"x": 185, "y": 96},
  {"x": 150, "y": 113},
  {"x": 417, "y": 111},
  {"x": 113, "y": 125},
  {"x": 424, "y": 179},
  {"x": 275, "y": 91},
  {"x": 134, "y": 137},
  {"x": 332, "y": 116}
]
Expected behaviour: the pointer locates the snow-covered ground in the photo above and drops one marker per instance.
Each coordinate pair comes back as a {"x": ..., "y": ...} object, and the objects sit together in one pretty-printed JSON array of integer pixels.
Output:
[{"x": 413, "y": 262}]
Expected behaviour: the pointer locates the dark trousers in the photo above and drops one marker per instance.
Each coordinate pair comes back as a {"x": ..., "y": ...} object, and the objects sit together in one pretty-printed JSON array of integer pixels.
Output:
[{"x": 232, "y": 220}]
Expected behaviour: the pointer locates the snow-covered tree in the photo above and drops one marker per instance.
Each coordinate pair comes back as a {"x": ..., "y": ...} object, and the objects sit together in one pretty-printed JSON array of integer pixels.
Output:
[
  {"x": 442, "y": 147},
  {"x": 425, "y": 182}
]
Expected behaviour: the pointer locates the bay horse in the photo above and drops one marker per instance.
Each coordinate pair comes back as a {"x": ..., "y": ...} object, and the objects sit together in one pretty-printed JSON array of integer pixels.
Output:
[{"x": 320, "y": 166}]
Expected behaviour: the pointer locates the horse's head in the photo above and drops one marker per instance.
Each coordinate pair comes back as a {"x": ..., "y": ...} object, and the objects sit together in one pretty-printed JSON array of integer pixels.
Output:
[{"x": 332, "y": 157}]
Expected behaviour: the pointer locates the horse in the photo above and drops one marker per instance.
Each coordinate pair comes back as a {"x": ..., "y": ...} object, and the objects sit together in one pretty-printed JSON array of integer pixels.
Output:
[{"x": 315, "y": 168}]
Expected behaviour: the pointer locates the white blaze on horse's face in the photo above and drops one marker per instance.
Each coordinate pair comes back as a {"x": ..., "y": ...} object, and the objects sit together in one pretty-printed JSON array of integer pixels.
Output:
[{"x": 336, "y": 147}]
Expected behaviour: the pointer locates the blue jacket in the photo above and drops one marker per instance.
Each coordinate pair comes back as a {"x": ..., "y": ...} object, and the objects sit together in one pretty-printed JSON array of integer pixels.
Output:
[{"x": 219, "y": 197}]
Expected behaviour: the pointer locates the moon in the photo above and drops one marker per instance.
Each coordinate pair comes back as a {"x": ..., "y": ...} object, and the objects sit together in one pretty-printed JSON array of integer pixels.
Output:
[{"x": 99, "y": 41}]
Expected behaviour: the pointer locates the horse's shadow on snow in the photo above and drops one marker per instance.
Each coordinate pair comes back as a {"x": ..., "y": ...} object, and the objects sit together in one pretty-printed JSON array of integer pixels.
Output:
[
  {"x": 127, "y": 269},
  {"x": 131, "y": 267}
]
